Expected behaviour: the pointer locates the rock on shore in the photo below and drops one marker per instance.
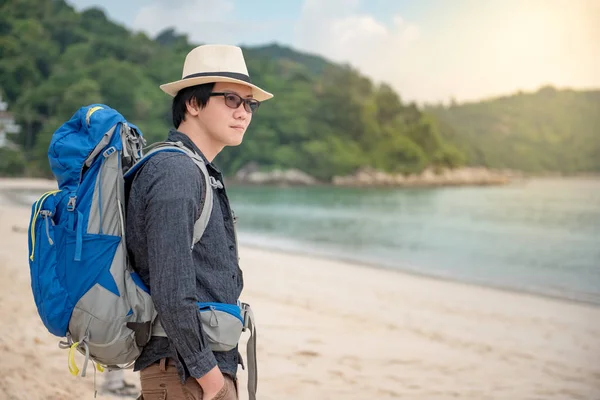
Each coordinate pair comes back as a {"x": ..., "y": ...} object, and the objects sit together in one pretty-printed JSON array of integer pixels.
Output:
[
  {"x": 444, "y": 177},
  {"x": 367, "y": 177}
]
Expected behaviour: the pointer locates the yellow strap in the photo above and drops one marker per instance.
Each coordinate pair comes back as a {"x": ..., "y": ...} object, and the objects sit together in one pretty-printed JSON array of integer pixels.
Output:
[
  {"x": 38, "y": 207},
  {"x": 72, "y": 366},
  {"x": 90, "y": 112}
]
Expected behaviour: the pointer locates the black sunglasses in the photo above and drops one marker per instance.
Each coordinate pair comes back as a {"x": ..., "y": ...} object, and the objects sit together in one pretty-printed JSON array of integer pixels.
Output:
[{"x": 233, "y": 100}]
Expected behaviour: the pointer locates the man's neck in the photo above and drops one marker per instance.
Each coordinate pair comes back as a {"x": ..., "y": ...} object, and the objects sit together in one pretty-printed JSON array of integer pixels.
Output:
[{"x": 208, "y": 148}]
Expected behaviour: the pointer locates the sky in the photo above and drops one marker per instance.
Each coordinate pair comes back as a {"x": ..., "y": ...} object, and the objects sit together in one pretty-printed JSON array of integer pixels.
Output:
[{"x": 427, "y": 50}]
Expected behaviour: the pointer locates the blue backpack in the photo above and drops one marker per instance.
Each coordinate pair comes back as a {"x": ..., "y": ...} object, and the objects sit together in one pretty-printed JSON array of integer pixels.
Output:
[{"x": 83, "y": 285}]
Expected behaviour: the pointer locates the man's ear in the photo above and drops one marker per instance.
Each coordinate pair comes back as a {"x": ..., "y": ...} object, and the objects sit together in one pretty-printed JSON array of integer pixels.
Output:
[{"x": 192, "y": 107}]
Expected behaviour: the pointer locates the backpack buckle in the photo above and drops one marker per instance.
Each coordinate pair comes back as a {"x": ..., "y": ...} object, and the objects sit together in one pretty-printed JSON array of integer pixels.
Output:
[
  {"x": 215, "y": 183},
  {"x": 71, "y": 203},
  {"x": 109, "y": 151}
]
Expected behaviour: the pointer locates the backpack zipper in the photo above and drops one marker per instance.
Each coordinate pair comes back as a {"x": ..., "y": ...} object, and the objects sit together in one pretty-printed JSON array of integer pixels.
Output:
[
  {"x": 37, "y": 207},
  {"x": 47, "y": 214},
  {"x": 231, "y": 309}
]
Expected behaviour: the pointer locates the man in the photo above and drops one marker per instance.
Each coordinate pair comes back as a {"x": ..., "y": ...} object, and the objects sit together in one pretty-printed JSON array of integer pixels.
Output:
[{"x": 212, "y": 107}]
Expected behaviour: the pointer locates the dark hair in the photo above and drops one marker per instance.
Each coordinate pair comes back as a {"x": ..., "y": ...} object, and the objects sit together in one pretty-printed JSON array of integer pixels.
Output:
[{"x": 201, "y": 93}]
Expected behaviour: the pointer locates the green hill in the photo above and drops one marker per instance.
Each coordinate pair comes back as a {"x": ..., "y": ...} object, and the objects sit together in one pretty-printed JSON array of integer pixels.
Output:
[
  {"x": 326, "y": 119},
  {"x": 549, "y": 130},
  {"x": 314, "y": 64}
]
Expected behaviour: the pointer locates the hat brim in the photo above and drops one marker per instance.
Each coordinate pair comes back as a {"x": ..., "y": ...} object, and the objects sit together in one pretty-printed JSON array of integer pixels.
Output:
[{"x": 173, "y": 87}]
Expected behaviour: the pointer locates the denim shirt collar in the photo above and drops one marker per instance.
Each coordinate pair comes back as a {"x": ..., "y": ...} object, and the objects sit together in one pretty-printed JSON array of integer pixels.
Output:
[{"x": 176, "y": 136}]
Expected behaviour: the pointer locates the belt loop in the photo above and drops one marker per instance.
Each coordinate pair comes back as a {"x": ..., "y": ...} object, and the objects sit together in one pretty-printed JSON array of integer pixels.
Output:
[{"x": 163, "y": 364}]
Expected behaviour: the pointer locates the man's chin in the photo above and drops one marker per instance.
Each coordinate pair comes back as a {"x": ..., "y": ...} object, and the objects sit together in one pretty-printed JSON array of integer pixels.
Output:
[{"x": 235, "y": 142}]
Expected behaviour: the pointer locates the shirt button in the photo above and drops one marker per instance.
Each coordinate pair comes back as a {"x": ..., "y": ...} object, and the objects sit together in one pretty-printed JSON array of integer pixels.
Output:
[{"x": 232, "y": 247}]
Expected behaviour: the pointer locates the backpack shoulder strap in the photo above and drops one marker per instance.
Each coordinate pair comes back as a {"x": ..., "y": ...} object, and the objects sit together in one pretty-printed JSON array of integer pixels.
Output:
[{"x": 209, "y": 181}]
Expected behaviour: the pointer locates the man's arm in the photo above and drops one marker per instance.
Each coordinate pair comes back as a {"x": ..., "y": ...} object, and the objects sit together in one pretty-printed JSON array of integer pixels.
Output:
[{"x": 174, "y": 188}]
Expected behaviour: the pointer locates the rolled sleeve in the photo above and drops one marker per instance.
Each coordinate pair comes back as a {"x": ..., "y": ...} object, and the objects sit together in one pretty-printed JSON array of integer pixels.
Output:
[{"x": 173, "y": 205}]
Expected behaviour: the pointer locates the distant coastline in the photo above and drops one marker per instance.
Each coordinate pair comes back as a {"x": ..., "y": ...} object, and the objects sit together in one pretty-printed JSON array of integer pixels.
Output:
[
  {"x": 365, "y": 177},
  {"x": 370, "y": 177},
  {"x": 565, "y": 175},
  {"x": 252, "y": 175}
]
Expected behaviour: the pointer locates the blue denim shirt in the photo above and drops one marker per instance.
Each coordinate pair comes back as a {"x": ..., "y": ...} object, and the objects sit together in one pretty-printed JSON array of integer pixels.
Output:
[{"x": 165, "y": 200}]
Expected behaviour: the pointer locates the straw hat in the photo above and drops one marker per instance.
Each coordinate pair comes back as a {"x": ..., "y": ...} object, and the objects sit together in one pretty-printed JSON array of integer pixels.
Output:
[{"x": 214, "y": 63}]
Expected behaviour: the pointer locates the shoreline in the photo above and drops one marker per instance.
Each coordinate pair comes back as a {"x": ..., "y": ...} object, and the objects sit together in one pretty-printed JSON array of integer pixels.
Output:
[{"x": 422, "y": 275}]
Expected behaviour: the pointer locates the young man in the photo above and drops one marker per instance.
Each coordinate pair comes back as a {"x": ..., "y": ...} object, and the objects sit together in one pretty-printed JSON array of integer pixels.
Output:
[{"x": 212, "y": 107}]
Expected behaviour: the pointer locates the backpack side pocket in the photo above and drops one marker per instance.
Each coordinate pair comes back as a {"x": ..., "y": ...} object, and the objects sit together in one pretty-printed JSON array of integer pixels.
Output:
[
  {"x": 51, "y": 298},
  {"x": 222, "y": 324}
]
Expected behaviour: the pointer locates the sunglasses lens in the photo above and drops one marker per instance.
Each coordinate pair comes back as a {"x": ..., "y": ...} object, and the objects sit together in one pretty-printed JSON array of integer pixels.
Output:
[
  {"x": 233, "y": 100},
  {"x": 251, "y": 105}
]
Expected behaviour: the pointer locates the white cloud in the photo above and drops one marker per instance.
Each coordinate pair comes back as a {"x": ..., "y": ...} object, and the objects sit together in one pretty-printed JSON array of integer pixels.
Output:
[
  {"x": 466, "y": 49},
  {"x": 206, "y": 21},
  {"x": 338, "y": 31}
]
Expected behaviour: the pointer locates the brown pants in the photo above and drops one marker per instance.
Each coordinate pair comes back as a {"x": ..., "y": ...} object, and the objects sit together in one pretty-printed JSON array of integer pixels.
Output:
[{"x": 161, "y": 382}]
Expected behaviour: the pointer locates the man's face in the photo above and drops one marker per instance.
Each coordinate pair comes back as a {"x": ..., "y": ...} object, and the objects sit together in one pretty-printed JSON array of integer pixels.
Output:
[{"x": 224, "y": 125}]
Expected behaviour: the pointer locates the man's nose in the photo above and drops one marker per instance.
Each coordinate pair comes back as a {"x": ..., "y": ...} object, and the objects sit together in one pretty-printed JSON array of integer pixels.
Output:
[{"x": 240, "y": 112}]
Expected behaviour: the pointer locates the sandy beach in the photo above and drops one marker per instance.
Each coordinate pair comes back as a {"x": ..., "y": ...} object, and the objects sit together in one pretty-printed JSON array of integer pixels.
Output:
[{"x": 333, "y": 330}]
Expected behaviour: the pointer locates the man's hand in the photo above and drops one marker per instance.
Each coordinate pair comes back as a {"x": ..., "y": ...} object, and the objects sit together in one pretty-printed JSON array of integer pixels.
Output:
[{"x": 211, "y": 383}]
